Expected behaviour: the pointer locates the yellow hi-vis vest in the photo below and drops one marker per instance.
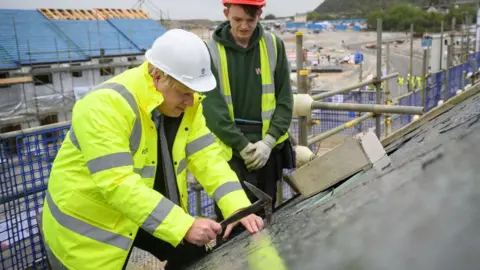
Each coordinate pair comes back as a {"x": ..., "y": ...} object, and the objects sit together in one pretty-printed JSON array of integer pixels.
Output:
[
  {"x": 100, "y": 189},
  {"x": 268, "y": 63},
  {"x": 419, "y": 81}
]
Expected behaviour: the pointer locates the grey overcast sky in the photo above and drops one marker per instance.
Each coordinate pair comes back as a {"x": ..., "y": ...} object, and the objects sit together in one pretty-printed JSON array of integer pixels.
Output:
[{"x": 176, "y": 9}]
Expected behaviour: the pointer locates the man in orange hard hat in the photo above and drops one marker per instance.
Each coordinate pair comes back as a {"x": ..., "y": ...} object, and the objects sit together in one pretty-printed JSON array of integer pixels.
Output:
[{"x": 250, "y": 110}]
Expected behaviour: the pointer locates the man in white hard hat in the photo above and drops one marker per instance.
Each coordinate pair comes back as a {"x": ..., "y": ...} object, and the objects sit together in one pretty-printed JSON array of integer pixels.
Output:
[{"x": 119, "y": 179}]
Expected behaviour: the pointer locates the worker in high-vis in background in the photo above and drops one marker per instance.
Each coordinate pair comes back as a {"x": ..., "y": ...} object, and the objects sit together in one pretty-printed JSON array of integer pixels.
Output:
[
  {"x": 250, "y": 111},
  {"x": 419, "y": 81},
  {"x": 400, "y": 80},
  {"x": 119, "y": 179}
]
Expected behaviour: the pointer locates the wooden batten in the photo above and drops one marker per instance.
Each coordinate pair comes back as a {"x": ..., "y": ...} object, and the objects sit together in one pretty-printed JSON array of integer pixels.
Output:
[
  {"x": 16, "y": 80},
  {"x": 69, "y": 14},
  {"x": 95, "y": 14}
]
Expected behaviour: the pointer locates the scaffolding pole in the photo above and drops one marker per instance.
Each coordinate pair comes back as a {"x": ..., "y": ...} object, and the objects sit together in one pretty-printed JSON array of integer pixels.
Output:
[
  {"x": 379, "y": 75},
  {"x": 374, "y": 108},
  {"x": 61, "y": 79},
  {"x": 355, "y": 86},
  {"x": 338, "y": 129}
]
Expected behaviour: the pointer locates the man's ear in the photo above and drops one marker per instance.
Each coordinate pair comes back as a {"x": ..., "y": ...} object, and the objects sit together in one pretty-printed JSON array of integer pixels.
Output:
[
  {"x": 225, "y": 12},
  {"x": 259, "y": 13}
]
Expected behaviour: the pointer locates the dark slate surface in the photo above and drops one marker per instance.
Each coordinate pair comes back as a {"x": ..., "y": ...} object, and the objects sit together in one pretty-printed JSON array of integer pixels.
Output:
[{"x": 423, "y": 212}]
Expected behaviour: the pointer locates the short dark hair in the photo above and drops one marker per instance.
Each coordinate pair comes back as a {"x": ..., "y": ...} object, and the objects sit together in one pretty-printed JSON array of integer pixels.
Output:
[{"x": 251, "y": 10}]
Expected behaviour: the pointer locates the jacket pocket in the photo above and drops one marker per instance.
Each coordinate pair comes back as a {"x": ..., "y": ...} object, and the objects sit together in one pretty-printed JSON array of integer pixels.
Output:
[{"x": 92, "y": 211}]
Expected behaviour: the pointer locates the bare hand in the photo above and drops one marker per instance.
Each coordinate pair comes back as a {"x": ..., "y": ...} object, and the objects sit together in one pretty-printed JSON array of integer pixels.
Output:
[
  {"x": 203, "y": 231},
  {"x": 252, "y": 223}
]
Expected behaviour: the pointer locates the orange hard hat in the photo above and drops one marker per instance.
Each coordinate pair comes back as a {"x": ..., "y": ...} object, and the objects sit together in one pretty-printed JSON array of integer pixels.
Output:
[{"x": 260, "y": 3}]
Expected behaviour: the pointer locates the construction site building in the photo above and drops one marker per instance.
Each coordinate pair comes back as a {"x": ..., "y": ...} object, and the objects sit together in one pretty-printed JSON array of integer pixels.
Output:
[{"x": 49, "y": 57}]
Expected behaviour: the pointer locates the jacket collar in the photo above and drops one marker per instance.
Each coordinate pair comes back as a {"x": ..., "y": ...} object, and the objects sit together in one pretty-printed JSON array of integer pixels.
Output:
[{"x": 148, "y": 96}]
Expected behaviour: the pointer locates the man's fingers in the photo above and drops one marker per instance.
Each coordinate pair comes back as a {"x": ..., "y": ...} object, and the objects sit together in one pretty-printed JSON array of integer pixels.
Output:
[
  {"x": 228, "y": 230},
  {"x": 253, "y": 224},
  {"x": 251, "y": 157},
  {"x": 254, "y": 165},
  {"x": 216, "y": 227},
  {"x": 247, "y": 225},
  {"x": 202, "y": 239},
  {"x": 262, "y": 163},
  {"x": 210, "y": 234},
  {"x": 249, "y": 160},
  {"x": 259, "y": 222}
]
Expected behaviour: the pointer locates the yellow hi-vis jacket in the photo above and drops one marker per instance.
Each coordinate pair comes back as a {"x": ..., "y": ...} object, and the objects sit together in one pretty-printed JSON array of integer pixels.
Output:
[
  {"x": 268, "y": 62},
  {"x": 100, "y": 189}
]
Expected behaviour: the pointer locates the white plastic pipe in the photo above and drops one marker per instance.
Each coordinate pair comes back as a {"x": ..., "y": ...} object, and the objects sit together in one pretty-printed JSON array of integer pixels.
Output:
[{"x": 302, "y": 105}]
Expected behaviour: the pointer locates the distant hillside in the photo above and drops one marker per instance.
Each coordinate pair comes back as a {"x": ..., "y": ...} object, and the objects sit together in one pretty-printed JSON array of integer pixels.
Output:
[
  {"x": 194, "y": 23},
  {"x": 363, "y": 6}
]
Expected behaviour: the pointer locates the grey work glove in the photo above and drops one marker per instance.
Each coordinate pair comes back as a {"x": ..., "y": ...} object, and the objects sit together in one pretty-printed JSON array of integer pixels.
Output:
[
  {"x": 247, "y": 152},
  {"x": 262, "y": 153}
]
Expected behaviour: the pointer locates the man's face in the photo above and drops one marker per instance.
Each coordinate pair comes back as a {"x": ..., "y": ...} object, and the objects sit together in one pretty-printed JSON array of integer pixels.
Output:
[
  {"x": 242, "y": 24},
  {"x": 177, "y": 97}
]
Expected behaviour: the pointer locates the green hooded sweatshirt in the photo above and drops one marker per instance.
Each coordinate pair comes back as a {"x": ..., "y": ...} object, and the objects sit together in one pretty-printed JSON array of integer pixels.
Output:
[{"x": 246, "y": 87}]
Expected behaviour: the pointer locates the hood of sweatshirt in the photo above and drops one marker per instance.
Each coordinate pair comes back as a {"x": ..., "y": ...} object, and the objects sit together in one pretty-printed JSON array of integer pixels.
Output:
[{"x": 223, "y": 35}]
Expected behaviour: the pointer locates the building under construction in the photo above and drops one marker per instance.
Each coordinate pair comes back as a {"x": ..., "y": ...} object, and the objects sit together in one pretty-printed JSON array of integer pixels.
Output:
[{"x": 49, "y": 57}]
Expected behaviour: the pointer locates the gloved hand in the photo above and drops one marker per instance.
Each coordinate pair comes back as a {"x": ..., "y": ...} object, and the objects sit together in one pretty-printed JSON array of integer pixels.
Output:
[
  {"x": 262, "y": 153},
  {"x": 247, "y": 152}
]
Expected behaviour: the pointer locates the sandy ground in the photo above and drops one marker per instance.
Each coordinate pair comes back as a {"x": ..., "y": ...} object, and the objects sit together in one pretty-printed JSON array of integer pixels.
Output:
[
  {"x": 352, "y": 41},
  {"x": 404, "y": 49}
]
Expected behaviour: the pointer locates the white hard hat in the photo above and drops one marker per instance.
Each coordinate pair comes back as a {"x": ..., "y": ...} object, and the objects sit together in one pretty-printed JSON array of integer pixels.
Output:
[{"x": 185, "y": 57}]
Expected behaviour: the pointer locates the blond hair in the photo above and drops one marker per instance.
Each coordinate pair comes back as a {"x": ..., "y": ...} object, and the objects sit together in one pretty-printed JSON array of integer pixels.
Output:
[{"x": 168, "y": 80}]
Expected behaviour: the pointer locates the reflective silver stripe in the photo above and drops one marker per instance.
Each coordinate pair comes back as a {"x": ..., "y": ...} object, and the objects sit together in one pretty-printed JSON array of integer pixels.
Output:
[
  {"x": 212, "y": 47},
  {"x": 73, "y": 138},
  {"x": 228, "y": 99},
  {"x": 157, "y": 216},
  {"x": 200, "y": 143},
  {"x": 146, "y": 172},
  {"x": 54, "y": 262},
  {"x": 215, "y": 53},
  {"x": 272, "y": 55},
  {"x": 182, "y": 165},
  {"x": 136, "y": 134},
  {"x": 110, "y": 161},
  {"x": 225, "y": 189},
  {"x": 267, "y": 115},
  {"x": 83, "y": 228},
  {"x": 268, "y": 89}
]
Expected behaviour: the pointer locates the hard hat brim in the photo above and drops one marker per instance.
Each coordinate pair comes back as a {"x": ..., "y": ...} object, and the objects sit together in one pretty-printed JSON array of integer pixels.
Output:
[{"x": 201, "y": 85}]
